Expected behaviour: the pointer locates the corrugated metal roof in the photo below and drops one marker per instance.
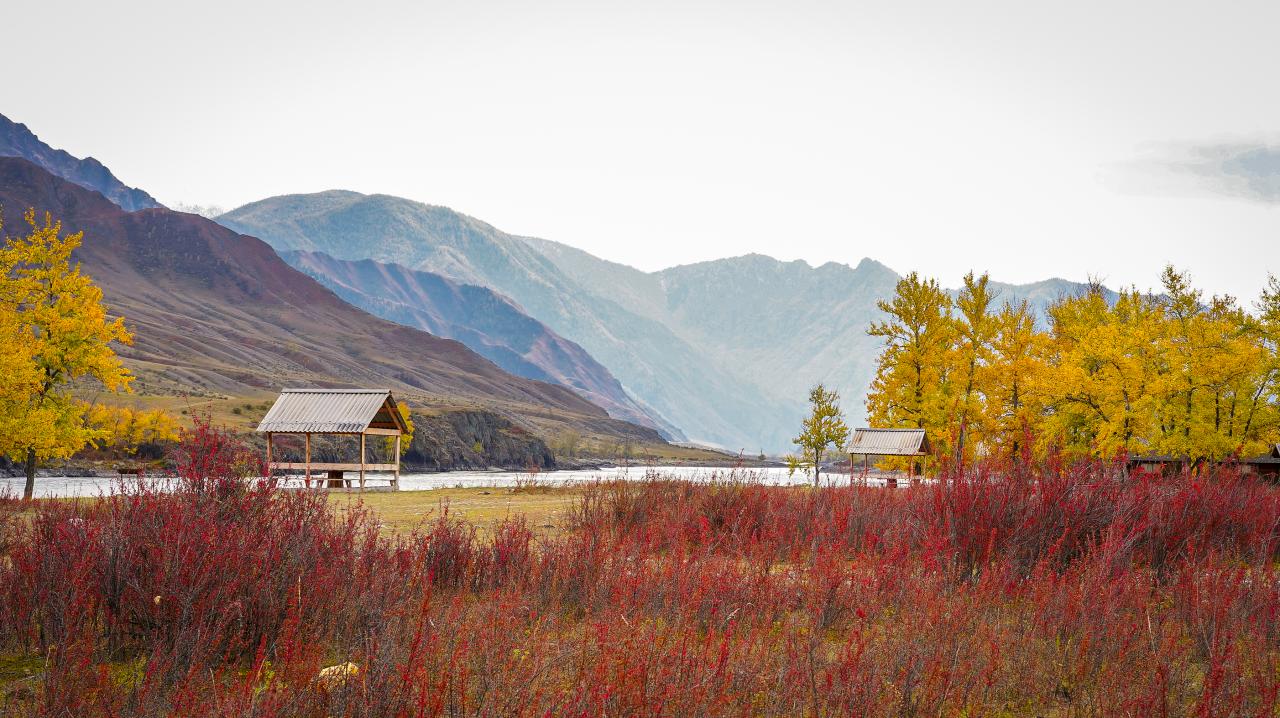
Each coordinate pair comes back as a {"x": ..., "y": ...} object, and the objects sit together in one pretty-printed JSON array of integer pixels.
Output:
[
  {"x": 888, "y": 442},
  {"x": 347, "y": 411}
]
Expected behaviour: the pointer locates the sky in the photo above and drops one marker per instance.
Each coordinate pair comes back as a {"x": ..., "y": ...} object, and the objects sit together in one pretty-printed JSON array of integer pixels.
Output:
[{"x": 1028, "y": 139}]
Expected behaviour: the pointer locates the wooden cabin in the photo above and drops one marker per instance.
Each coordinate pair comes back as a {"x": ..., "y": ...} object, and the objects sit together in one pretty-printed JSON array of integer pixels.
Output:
[
  {"x": 344, "y": 412},
  {"x": 867, "y": 442},
  {"x": 1266, "y": 465}
]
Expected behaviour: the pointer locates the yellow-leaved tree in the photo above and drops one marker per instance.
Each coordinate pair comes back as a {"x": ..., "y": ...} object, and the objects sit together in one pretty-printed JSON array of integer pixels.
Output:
[
  {"x": 1106, "y": 364},
  {"x": 1134, "y": 373},
  {"x": 912, "y": 382},
  {"x": 822, "y": 430},
  {"x": 56, "y": 316},
  {"x": 1260, "y": 415},
  {"x": 407, "y": 438},
  {"x": 1013, "y": 406},
  {"x": 128, "y": 429},
  {"x": 975, "y": 328}
]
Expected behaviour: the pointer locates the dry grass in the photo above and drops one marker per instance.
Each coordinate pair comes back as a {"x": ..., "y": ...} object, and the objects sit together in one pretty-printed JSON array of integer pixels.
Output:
[{"x": 402, "y": 511}]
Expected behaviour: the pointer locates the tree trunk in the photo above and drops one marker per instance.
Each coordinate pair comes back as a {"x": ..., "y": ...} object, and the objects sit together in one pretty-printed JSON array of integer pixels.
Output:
[
  {"x": 30, "y": 488},
  {"x": 817, "y": 457}
]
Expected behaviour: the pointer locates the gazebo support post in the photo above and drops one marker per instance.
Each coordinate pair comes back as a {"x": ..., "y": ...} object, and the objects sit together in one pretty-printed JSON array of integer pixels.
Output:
[
  {"x": 395, "y": 478},
  {"x": 308, "y": 459},
  {"x": 268, "y": 454},
  {"x": 362, "y": 461}
]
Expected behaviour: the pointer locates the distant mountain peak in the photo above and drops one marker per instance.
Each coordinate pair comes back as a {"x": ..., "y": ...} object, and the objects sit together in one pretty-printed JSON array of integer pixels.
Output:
[
  {"x": 17, "y": 140},
  {"x": 869, "y": 264}
]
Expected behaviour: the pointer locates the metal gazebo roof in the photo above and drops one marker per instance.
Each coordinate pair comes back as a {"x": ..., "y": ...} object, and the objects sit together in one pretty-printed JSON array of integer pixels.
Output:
[
  {"x": 332, "y": 411},
  {"x": 889, "y": 442}
]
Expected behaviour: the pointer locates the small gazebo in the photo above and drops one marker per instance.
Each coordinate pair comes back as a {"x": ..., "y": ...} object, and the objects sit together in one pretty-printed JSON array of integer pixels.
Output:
[
  {"x": 869, "y": 442},
  {"x": 351, "y": 412}
]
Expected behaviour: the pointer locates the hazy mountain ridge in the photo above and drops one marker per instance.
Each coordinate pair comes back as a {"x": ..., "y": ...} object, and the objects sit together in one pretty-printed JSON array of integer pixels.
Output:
[
  {"x": 486, "y": 321},
  {"x": 16, "y": 140},
  {"x": 652, "y": 363},
  {"x": 726, "y": 349},
  {"x": 780, "y": 326}
]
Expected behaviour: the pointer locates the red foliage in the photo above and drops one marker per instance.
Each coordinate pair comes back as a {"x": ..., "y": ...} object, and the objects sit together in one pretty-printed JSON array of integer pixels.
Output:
[{"x": 1061, "y": 591}]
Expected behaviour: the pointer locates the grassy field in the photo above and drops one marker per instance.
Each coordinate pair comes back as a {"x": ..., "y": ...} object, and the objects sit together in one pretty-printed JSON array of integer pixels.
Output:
[{"x": 403, "y": 511}]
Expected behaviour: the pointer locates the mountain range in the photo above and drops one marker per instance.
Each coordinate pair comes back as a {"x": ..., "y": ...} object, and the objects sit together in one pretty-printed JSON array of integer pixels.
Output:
[
  {"x": 724, "y": 350},
  {"x": 720, "y": 352},
  {"x": 653, "y": 363},
  {"x": 215, "y": 313}
]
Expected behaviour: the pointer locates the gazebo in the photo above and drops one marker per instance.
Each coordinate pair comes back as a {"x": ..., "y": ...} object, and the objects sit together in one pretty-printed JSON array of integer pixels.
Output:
[
  {"x": 350, "y": 412},
  {"x": 869, "y": 442}
]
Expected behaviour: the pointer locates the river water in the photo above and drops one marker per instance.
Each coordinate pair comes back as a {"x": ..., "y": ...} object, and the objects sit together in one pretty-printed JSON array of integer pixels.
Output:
[{"x": 66, "y": 486}]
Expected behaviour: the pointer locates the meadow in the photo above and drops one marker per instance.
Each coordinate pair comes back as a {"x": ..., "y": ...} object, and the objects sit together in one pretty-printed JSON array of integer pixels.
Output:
[{"x": 1042, "y": 589}]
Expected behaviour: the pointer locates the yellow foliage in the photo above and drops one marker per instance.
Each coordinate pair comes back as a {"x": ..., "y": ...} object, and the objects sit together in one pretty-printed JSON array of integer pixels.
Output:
[
  {"x": 1140, "y": 373},
  {"x": 128, "y": 428},
  {"x": 823, "y": 429},
  {"x": 407, "y": 438},
  {"x": 55, "y": 318},
  {"x": 913, "y": 384}
]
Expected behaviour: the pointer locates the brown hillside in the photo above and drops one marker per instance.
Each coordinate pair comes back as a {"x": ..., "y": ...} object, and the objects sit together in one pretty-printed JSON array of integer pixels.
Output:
[{"x": 218, "y": 312}]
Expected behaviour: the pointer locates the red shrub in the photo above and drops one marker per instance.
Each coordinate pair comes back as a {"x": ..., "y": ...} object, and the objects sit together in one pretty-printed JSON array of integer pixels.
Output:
[{"x": 1061, "y": 590}]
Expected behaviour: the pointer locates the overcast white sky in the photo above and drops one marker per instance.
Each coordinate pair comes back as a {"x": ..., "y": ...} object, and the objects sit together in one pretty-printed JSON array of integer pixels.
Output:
[{"x": 1032, "y": 139}]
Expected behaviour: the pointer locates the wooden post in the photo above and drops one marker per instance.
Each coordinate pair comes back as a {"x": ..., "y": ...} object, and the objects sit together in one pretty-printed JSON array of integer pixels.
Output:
[
  {"x": 308, "y": 459},
  {"x": 268, "y": 454},
  {"x": 395, "y": 479},
  {"x": 362, "y": 462}
]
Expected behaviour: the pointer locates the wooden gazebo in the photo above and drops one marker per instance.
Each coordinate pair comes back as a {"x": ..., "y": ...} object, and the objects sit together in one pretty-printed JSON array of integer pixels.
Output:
[
  {"x": 362, "y": 412},
  {"x": 869, "y": 442}
]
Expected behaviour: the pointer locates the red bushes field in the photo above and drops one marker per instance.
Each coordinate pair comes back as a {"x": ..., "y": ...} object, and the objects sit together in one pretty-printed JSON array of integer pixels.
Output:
[{"x": 1070, "y": 591}]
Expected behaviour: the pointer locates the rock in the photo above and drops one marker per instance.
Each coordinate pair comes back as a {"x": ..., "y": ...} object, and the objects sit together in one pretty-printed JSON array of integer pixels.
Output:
[{"x": 335, "y": 676}]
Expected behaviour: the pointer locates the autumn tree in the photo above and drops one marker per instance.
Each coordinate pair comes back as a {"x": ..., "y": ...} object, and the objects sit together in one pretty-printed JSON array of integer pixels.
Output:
[
  {"x": 821, "y": 430},
  {"x": 127, "y": 429},
  {"x": 19, "y": 375},
  {"x": 1012, "y": 408},
  {"x": 1133, "y": 373},
  {"x": 912, "y": 381},
  {"x": 1185, "y": 335},
  {"x": 1260, "y": 415},
  {"x": 1236, "y": 382},
  {"x": 406, "y": 440},
  {"x": 974, "y": 329},
  {"x": 1106, "y": 365},
  {"x": 64, "y": 335}
]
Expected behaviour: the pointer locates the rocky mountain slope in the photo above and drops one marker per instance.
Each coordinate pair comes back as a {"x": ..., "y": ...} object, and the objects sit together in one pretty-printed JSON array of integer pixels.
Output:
[
  {"x": 18, "y": 141},
  {"x": 216, "y": 312}
]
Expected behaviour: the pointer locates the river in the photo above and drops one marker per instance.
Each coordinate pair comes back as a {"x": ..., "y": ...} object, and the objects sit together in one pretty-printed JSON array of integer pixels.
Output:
[{"x": 67, "y": 486}]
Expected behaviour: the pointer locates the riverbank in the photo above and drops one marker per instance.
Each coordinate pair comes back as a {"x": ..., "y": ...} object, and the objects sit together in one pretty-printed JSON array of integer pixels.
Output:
[
  {"x": 95, "y": 485},
  {"x": 105, "y": 469}
]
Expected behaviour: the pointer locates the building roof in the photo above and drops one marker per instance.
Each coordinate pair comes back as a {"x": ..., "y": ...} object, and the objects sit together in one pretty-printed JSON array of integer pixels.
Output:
[
  {"x": 332, "y": 411},
  {"x": 889, "y": 442}
]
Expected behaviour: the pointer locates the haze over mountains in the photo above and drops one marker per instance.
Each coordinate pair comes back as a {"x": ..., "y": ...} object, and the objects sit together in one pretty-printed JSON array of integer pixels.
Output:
[
  {"x": 721, "y": 352},
  {"x": 725, "y": 350}
]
